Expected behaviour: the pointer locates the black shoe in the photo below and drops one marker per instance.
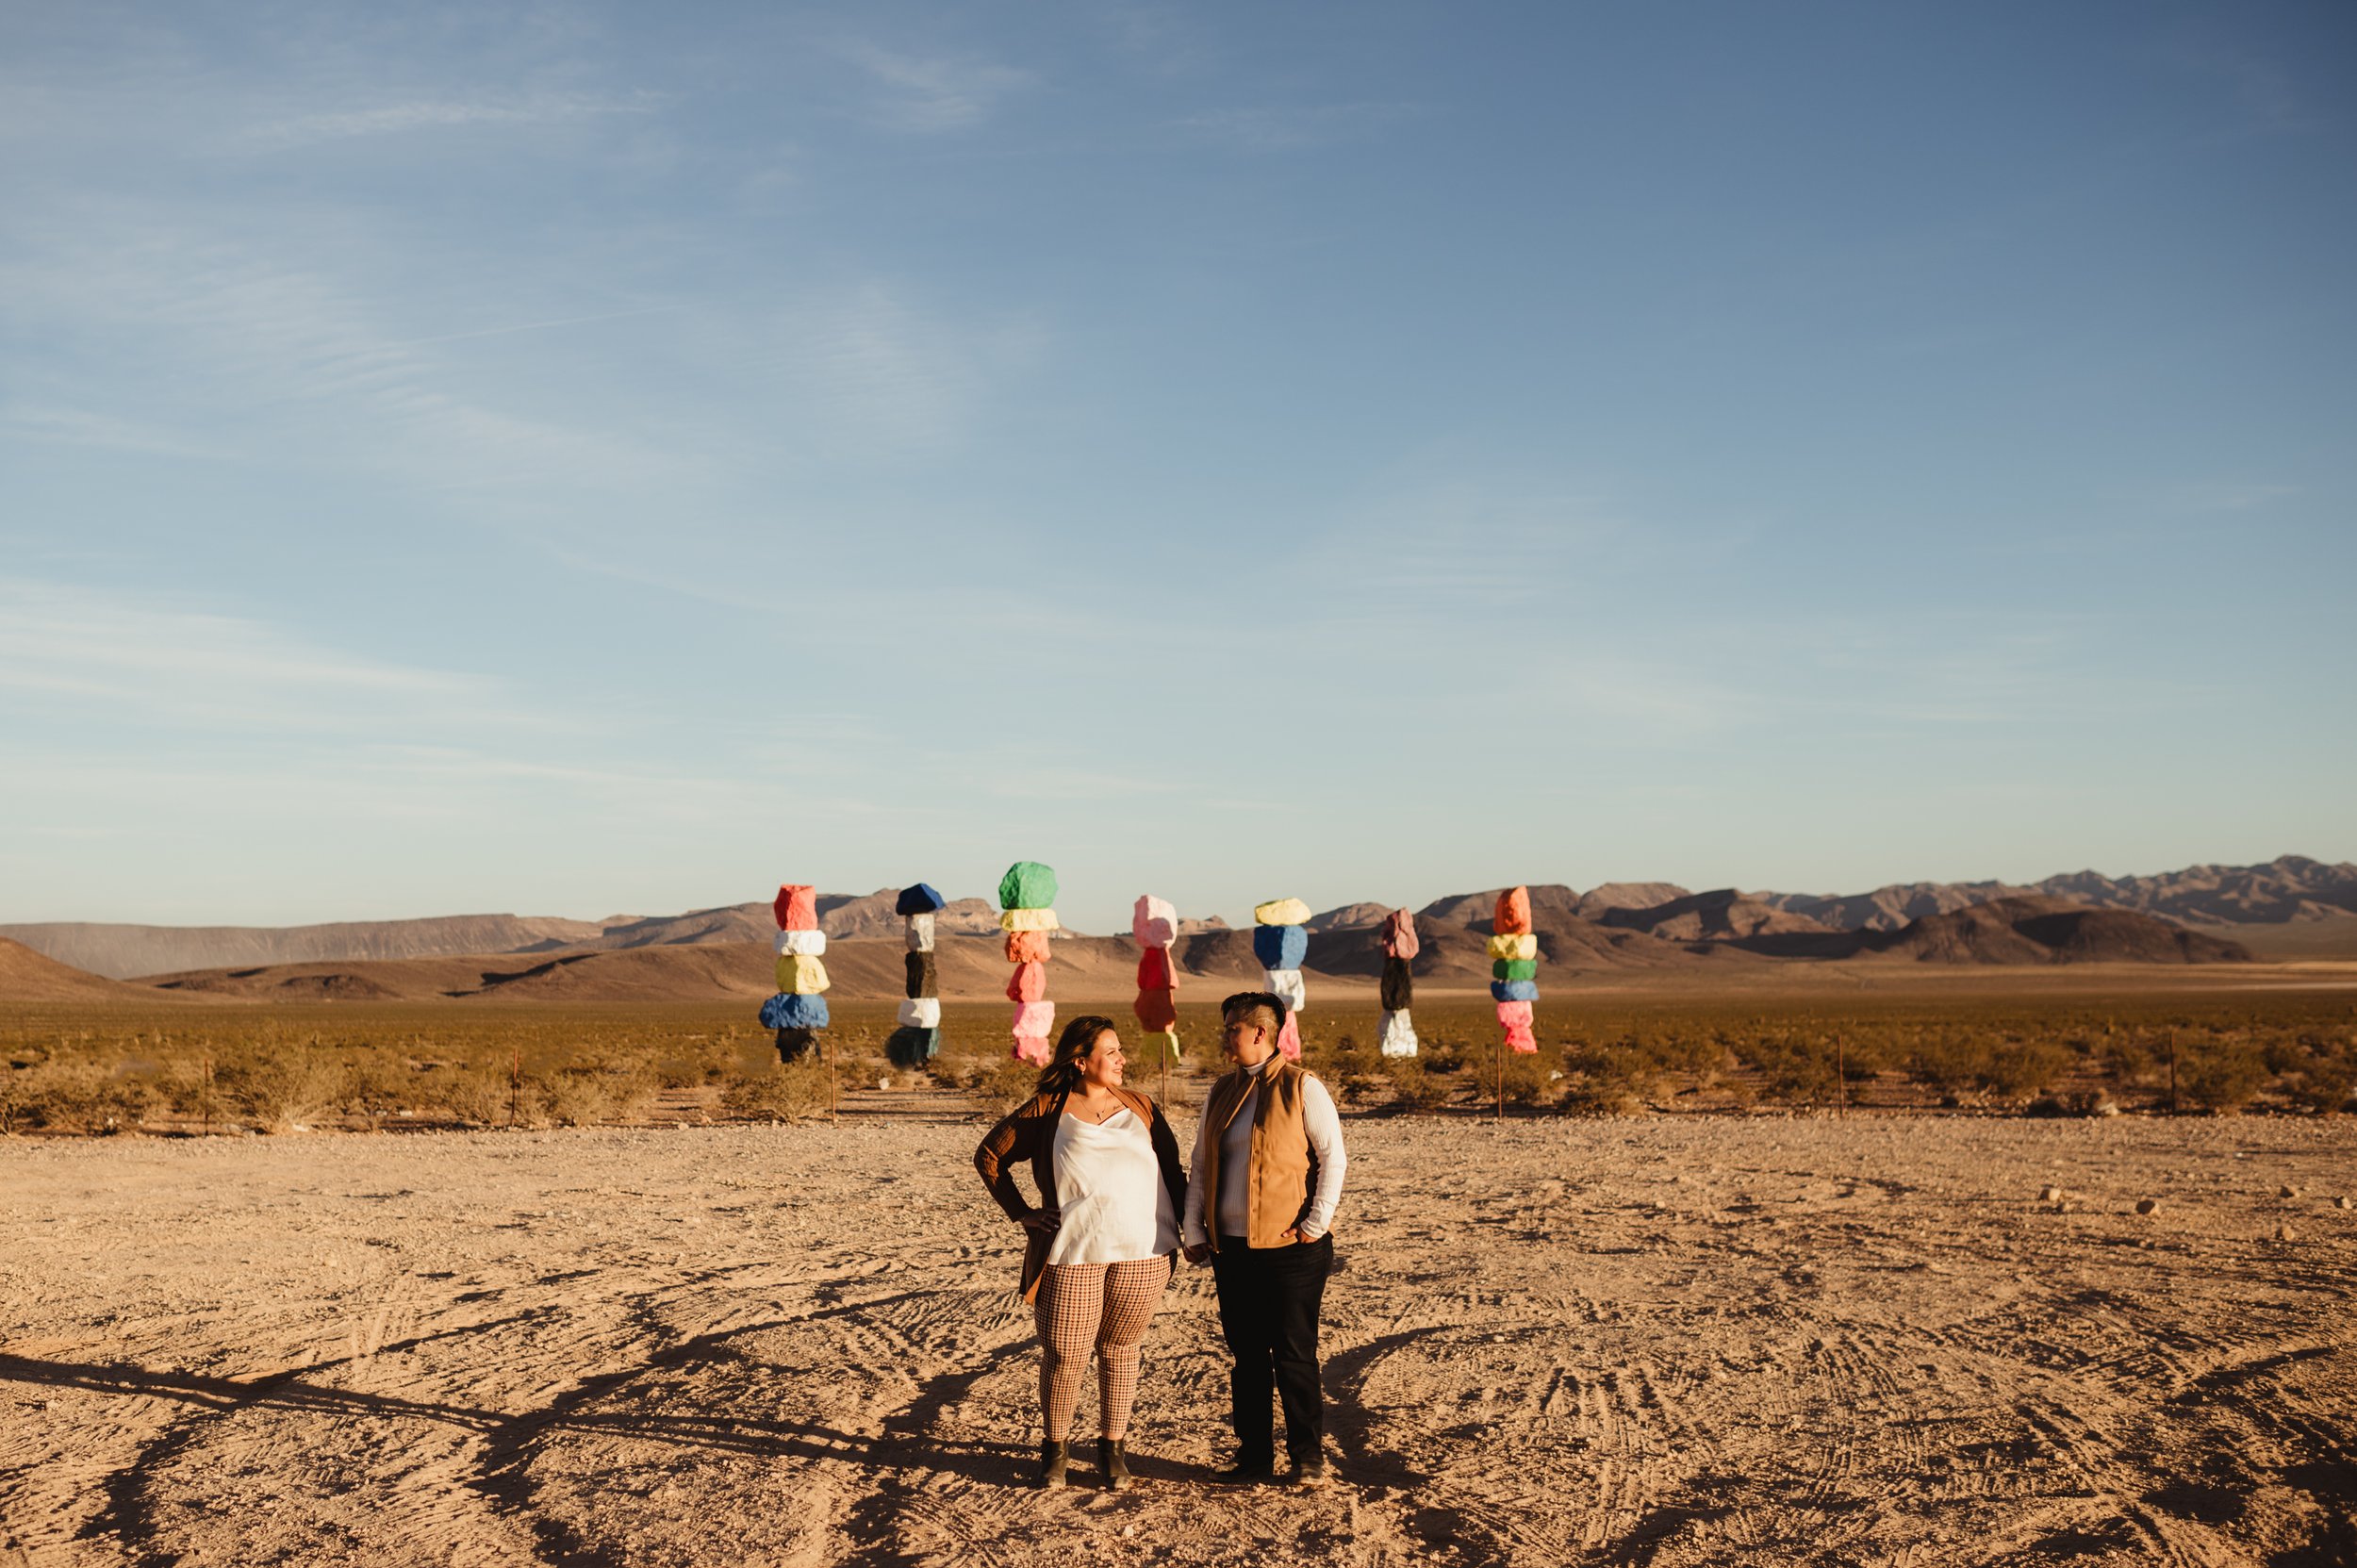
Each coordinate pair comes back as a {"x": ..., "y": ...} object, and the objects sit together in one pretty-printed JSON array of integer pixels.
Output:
[
  {"x": 1249, "y": 1472},
  {"x": 1053, "y": 1456},
  {"x": 1112, "y": 1462},
  {"x": 1307, "y": 1472}
]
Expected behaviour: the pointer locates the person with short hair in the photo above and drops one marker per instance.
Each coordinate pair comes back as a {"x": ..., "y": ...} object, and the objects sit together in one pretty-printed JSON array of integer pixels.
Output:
[
  {"x": 1101, "y": 1243},
  {"x": 1267, "y": 1175}
]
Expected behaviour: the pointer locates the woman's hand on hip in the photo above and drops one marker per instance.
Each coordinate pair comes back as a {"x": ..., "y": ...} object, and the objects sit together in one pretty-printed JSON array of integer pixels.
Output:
[{"x": 1042, "y": 1222}]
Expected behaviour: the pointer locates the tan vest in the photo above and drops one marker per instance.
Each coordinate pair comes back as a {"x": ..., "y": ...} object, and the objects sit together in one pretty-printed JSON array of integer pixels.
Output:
[{"x": 1281, "y": 1170}]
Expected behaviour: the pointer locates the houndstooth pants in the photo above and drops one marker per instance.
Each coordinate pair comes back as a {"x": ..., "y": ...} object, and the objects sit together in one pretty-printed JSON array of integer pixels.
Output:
[{"x": 1100, "y": 1307}]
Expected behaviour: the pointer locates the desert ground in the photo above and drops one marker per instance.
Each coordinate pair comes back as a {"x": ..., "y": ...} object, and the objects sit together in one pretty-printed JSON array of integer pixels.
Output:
[{"x": 1717, "y": 1339}]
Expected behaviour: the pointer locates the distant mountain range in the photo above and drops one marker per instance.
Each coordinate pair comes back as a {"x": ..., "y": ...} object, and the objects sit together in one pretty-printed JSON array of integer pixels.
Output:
[
  {"x": 2290, "y": 888},
  {"x": 123, "y": 951},
  {"x": 1618, "y": 923}
]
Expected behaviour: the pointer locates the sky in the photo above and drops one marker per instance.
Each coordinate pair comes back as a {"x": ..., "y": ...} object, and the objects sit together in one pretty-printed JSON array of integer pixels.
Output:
[{"x": 574, "y": 459}]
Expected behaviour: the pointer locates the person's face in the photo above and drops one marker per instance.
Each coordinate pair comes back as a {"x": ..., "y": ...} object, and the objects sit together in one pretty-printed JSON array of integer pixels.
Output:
[
  {"x": 1101, "y": 1068},
  {"x": 1247, "y": 1043}
]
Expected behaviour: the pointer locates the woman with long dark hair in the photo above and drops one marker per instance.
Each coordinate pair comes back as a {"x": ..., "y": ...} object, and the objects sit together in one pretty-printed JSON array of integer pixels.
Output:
[{"x": 1100, "y": 1241}]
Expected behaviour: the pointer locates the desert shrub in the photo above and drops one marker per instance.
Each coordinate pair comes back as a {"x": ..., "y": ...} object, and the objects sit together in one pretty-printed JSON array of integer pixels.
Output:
[
  {"x": 2285, "y": 1054},
  {"x": 1861, "y": 1056},
  {"x": 283, "y": 1089},
  {"x": 2221, "y": 1075},
  {"x": 1415, "y": 1086},
  {"x": 1532, "y": 1077},
  {"x": 17, "y": 1085},
  {"x": 137, "y": 1094},
  {"x": 1606, "y": 1079},
  {"x": 1148, "y": 1079},
  {"x": 795, "y": 1091},
  {"x": 1601, "y": 1096},
  {"x": 453, "y": 1062},
  {"x": 377, "y": 1086},
  {"x": 1340, "y": 1060},
  {"x": 2126, "y": 1060},
  {"x": 683, "y": 1072},
  {"x": 1440, "y": 1053},
  {"x": 2019, "y": 1069},
  {"x": 1359, "y": 1084},
  {"x": 1796, "y": 1071},
  {"x": 192, "y": 1089},
  {"x": 586, "y": 1096},
  {"x": 998, "y": 1080},
  {"x": 65, "y": 1094},
  {"x": 1950, "y": 1062},
  {"x": 1695, "y": 1053},
  {"x": 2326, "y": 1081},
  {"x": 481, "y": 1095},
  {"x": 57, "y": 1096}
]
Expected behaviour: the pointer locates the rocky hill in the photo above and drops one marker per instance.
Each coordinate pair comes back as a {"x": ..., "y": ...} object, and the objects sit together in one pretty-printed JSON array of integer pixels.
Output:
[
  {"x": 120, "y": 951},
  {"x": 2026, "y": 929},
  {"x": 125, "y": 950},
  {"x": 840, "y": 916},
  {"x": 2289, "y": 888},
  {"x": 1595, "y": 927},
  {"x": 1710, "y": 917},
  {"x": 2038, "y": 930},
  {"x": 1099, "y": 971},
  {"x": 26, "y": 976},
  {"x": 1349, "y": 918},
  {"x": 1889, "y": 908},
  {"x": 2031, "y": 929}
]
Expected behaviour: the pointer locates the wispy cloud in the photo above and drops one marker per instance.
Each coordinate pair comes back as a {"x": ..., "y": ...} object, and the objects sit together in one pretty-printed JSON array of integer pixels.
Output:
[
  {"x": 1297, "y": 127},
  {"x": 295, "y": 352},
  {"x": 927, "y": 95},
  {"x": 537, "y": 326},
  {"x": 440, "y": 114},
  {"x": 198, "y": 791},
  {"x": 56, "y": 426},
  {"x": 159, "y": 661},
  {"x": 882, "y": 374},
  {"x": 1977, "y": 669},
  {"x": 1430, "y": 546}
]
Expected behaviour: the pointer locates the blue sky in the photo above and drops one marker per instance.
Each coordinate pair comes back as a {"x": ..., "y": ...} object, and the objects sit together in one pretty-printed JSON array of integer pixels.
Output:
[{"x": 574, "y": 459}]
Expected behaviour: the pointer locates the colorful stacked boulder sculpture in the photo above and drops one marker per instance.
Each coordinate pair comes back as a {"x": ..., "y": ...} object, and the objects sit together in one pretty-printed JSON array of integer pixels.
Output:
[
  {"x": 1027, "y": 899},
  {"x": 1280, "y": 940},
  {"x": 799, "y": 1011},
  {"x": 1155, "y": 924},
  {"x": 1514, "y": 967},
  {"x": 918, "y": 1038},
  {"x": 1399, "y": 947}
]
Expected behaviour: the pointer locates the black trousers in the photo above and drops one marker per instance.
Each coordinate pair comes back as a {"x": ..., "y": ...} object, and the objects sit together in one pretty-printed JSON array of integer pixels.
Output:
[{"x": 1269, "y": 1298}]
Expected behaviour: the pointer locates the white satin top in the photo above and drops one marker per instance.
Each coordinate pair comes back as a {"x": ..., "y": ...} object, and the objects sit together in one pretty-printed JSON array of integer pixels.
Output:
[{"x": 1109, "y": 1193}]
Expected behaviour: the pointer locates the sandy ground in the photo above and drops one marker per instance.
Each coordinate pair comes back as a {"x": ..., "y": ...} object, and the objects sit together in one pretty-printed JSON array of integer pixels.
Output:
[{"x": 1649, "y": 1340}]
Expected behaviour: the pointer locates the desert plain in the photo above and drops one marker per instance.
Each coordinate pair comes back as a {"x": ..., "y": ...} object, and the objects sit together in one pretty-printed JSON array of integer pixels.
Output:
[{"x": 1690, "y": 1328}]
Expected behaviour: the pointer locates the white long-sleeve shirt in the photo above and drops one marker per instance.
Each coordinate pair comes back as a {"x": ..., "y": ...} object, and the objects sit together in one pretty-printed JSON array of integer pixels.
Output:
[{"x": 1319, "y": 1120}]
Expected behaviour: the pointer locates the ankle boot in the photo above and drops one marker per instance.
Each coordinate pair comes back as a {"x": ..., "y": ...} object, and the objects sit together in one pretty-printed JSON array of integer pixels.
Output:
[
  {"x": 1052, "y": 1459},
  {"x": 1112, "y": 1460}
]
